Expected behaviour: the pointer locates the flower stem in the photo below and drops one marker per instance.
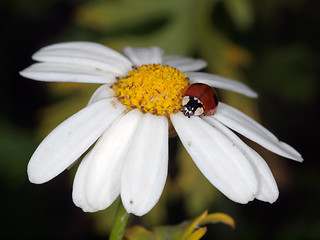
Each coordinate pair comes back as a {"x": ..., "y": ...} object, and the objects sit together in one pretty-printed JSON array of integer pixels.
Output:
[{"x": 120, "y": 223}]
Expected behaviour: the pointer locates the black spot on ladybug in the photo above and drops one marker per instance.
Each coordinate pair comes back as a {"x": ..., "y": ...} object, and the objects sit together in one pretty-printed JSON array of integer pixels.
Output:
[{"x": 216, "y": 100}]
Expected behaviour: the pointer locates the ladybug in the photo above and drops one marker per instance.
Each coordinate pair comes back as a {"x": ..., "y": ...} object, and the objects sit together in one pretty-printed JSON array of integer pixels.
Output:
[{"x": 199, "y": 99}]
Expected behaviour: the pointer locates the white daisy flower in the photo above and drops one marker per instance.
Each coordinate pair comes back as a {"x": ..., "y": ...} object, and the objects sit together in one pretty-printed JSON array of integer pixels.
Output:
[{"x": 129, "y": 117}]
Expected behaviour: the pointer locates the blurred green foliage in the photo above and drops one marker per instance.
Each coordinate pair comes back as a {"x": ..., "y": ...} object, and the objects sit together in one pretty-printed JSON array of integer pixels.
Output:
[
  {"x": 15, "y": 145},
  {"x": 271, "y": 45}
]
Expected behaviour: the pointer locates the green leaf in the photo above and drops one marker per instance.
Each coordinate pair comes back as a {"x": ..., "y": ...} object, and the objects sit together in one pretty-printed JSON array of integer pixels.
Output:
[{"x": 189, "y": 230}]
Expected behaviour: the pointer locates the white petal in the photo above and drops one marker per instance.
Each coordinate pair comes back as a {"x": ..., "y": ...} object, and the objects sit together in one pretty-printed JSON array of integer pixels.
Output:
[
  {"x": 71, "y": 139},
  {"x": 78, "y": 191},
  {"x": 104, "y": 173},
  {"x": 221, "y": 82},
  {"x": 249, "y": 128},
  {"x": 267, "y": 189},
  {"x": 141, "y": 56},
  {"x": 218, "y": 158},
  {"x": 84, "y": 54},
  {"x": 90, "y": 47},
  {"x": 184, "y": 64},
  {"x": 146, "y": 165},
  {"x": 104, "y": 91},
  {"x": 57, "y": 72}
]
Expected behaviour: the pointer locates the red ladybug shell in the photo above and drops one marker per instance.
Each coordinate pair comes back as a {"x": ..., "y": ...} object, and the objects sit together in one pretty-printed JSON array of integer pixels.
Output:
[{"x": 207, "y": 95}]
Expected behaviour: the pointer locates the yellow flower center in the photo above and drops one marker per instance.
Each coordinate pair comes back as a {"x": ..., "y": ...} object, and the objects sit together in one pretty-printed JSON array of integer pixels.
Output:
[{"x": 152, "y": 88}]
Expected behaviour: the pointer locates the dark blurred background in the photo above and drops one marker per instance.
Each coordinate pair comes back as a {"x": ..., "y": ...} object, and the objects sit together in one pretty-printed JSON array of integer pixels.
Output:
[{"x": 271, "y": 45}]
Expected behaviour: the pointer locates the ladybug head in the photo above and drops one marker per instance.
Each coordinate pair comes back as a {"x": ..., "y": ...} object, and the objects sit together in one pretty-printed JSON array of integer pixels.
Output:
[{"x": 191, "y": 106}]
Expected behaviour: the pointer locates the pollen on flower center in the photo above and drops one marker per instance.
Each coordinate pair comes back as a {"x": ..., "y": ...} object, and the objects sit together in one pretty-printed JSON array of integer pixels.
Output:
[{"x": 152, "y": 88}]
